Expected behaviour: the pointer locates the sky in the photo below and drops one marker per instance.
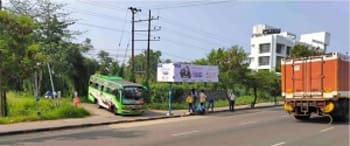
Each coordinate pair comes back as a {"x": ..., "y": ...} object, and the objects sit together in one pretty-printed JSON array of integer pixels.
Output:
[{"x": 190, "y": 29}]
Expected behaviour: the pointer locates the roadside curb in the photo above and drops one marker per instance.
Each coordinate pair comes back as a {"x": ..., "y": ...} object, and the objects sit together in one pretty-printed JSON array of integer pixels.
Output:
[
  {"x": 85, "y": 125},
  {"x": 248, "y": 108}
]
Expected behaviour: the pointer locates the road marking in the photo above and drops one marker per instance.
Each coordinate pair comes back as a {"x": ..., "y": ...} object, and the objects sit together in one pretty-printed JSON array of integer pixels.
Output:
[
  {"x": 247, "y": 123},
  {"x": 326, "y": 129},
  {"x": 185, "y": 133},
  {"x": 284, "y": 116},
  {"x": 278, "y": 144}
]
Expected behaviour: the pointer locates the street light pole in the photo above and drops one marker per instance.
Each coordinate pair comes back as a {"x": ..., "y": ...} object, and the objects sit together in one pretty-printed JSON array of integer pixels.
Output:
[{"x": 169, "y": 113}]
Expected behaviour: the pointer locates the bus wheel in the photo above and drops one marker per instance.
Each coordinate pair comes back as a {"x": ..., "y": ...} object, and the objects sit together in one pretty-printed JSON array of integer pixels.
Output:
[
  {"x": 114, "y": 110},
  {"x": 302, "y": 117}
]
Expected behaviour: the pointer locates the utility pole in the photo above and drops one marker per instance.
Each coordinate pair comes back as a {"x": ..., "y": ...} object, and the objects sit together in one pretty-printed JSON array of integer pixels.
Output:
[
  {"x": 148, "y": 46},
  {"x": 133, "y": 11},
  {"x": 0, "y": 5},
  {"x": 149, "y": 30}
]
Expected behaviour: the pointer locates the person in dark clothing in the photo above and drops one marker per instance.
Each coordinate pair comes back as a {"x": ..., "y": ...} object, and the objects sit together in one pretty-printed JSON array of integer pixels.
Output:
[
  {"x": 232, "y": 102},
  {"x": 195, "y": 96},
  {"x": 211, "y": 102}
]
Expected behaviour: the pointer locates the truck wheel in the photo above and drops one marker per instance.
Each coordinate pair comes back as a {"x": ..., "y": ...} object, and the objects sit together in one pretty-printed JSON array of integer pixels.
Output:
[
  {"x": 344, "y": 117},
  {"x": 302, "y": 117}
]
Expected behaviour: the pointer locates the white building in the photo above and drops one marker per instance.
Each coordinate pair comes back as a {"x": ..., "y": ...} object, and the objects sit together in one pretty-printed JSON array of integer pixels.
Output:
[{"x": 269, "y": 45}]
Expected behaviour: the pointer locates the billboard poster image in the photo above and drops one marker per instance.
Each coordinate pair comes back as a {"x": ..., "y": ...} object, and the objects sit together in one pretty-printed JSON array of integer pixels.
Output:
[{"x": 178, "y": 72}]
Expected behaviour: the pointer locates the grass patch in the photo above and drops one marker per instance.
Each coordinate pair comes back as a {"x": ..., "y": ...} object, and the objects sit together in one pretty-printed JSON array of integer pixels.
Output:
[
  {"x": 22, "y": 107},
  {"x": 241, "y": 100}
]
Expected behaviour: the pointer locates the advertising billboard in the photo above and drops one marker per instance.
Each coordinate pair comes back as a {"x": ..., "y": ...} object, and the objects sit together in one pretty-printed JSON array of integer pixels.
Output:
[{"x": 178, "y": 72}]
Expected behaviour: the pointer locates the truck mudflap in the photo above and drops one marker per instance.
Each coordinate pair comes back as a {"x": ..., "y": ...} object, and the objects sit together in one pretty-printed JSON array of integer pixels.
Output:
[
  {"x": 302, "y": 110},
  {"x": 308, "y": 107}
]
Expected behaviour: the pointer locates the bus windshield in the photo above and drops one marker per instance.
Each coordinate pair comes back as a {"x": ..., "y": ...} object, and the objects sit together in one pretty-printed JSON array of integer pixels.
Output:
[{"x": 133, "y": 95}]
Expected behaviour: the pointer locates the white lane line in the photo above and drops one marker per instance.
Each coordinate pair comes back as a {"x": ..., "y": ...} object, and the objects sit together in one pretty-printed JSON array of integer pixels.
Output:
[
  {"x": 247, "y": 123},
  {"x": 278, "y": 144},
  {"x": 285, "y": 116},
  {"x": 185, "y": 133},
  {"x": 326, "y": 129}
]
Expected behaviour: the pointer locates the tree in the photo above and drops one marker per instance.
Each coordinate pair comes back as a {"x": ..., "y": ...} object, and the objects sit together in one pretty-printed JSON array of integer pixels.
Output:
[
  {"x": 19, "y": 53},
  {"x": 64, "y": 56},
  {"x": 303, "y": 51},
  {"x": 107, "y": 65},
  {"x": 141, "y": 64},
  {"x": 232, "y": 64},
  {"x": 265, "y": 81}
]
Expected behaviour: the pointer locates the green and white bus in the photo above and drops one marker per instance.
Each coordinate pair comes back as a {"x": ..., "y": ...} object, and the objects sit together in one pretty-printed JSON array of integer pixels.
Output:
[{"x": 116, "y": 94}]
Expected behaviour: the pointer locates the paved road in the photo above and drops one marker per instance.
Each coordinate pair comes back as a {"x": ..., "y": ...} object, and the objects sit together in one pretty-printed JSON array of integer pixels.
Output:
[{"x": 261, "y": 127}]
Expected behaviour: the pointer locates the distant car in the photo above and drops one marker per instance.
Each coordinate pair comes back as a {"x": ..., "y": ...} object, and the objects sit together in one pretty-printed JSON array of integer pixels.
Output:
[{"x": 48, "y": 94}]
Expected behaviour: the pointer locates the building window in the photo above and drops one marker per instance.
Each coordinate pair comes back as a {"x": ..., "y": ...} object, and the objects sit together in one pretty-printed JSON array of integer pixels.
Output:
[
  {"x": 264, "y": 60},
  {"x": 279, "y": 48},
  {"x": 264, "y": 48},
  {"x": 278, "y": 63},
  {"x": 288, "y": 50}
]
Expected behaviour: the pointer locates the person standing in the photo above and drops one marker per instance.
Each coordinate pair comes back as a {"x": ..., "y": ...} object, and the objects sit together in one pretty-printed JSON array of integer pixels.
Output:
[
  {"x": 76, "y": 100},
  {"x": 194, "y": 96},
  {"x": 211, "y": 102},
  {"x": 202, "y": 98},
  {"x": 232, "y": 102},
  {"x": 189, "y": 101}
]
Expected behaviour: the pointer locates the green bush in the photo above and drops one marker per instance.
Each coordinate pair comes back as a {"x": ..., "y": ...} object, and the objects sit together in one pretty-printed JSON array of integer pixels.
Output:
[{"x": 22, "y": 107}]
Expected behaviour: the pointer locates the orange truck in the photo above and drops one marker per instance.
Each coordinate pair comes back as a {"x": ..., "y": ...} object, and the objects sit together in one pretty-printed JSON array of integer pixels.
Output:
[{"x": 316, "y": 85}]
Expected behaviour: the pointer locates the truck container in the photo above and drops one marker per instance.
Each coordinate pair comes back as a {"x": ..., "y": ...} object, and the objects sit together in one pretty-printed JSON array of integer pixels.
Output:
[{"x": 316, "y": 85}]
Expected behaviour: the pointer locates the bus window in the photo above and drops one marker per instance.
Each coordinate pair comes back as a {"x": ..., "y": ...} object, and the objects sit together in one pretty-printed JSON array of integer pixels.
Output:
[
  {"x": 116, "y": 94},
  {"x": 95, "y": 85},
  {"x": 101, "y": 88},
  {"x": 108, "y": 90},
  {"x": 133, "y": 92}
]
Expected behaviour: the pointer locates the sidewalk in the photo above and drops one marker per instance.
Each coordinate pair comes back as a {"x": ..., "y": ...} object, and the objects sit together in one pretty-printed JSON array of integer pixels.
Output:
[{"x": 103, "y": 117}]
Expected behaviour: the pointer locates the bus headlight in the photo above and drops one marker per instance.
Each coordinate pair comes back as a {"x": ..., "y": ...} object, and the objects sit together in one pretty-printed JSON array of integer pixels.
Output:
[
  {"x": 329, "y": 107},
  {"x": 287, "y": 107}
]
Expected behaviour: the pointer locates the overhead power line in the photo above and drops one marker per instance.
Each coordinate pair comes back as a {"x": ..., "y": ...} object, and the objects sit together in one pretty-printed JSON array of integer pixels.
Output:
[
  {"x": 206, "y": 39},
  {"x": 99, "y": 26},
  {"x": 193, "y": 4},
  {"x": 95, "y": 14},
  {"x": 101, "y": 5},
  {"x": 124, "y": 25},
  {"x": 184, "y": 44},
  {"x": 193, "y": 29}
]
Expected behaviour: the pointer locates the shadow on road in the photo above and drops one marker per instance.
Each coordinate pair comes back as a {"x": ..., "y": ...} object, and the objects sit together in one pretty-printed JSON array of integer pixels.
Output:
[
  {"x": 84, "y": 135},
  {"x": 235, "y": 113},
  {"x": 102, "y": 112},
  {"x": 325, "y": 120}
]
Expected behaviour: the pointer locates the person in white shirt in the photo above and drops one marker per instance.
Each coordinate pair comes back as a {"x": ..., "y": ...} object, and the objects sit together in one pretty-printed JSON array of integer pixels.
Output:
[
  {"x": 202, "y": 98},
  {"x": 232, "y": 102}
]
